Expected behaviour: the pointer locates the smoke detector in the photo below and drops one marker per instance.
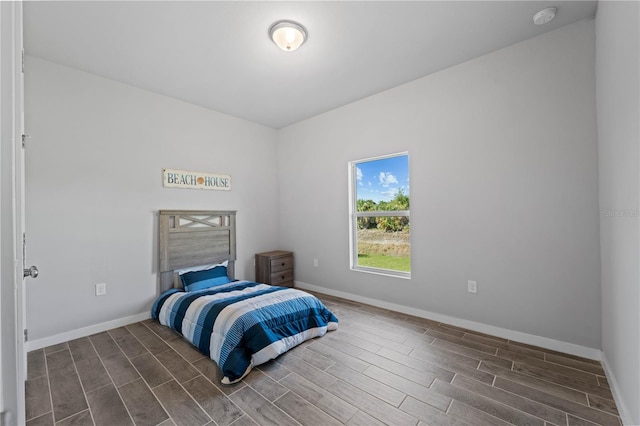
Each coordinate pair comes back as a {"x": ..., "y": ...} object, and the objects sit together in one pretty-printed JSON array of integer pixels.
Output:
[{"x": 544, "y": 16}]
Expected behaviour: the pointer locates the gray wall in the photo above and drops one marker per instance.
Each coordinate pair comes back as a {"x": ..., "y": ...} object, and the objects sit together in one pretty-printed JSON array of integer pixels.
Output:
[
  {"x": 618, "y": 91},
  {"x": 94, "y": 186},
  {"x": 503, "y": 169}
]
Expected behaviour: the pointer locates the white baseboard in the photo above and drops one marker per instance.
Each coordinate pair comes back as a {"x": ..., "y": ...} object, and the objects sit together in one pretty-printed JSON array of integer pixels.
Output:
[
  {"x": 613, "y": 383},
  {"x": 84, "y": 331},
  {"x": 530, "y": 339}
]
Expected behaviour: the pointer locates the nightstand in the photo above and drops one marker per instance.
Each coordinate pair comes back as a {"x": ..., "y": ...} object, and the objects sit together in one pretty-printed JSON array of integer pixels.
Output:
[{"x": 275, "y": 268}]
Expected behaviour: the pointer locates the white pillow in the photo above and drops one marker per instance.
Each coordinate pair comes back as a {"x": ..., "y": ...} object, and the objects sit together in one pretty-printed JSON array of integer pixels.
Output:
[{"x": 200, "y": 268}]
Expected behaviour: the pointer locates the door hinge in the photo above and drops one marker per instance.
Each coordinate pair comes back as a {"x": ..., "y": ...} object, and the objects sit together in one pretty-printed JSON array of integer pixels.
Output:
[
  {"x": 23, "y": 61},
  {"x": 24, "y": 250},
  {"x": 26, "y": 334},
  {"x": 24, "y": 139}
]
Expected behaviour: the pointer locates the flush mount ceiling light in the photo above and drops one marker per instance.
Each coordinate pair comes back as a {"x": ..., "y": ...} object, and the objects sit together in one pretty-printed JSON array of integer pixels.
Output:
[
  {"x": 288, "y": 35},
  {"x": 544, "y": 16}
]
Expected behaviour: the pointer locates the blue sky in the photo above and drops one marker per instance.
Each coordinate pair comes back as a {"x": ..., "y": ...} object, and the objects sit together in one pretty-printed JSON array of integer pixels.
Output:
[{"x": 379, "y": 180}]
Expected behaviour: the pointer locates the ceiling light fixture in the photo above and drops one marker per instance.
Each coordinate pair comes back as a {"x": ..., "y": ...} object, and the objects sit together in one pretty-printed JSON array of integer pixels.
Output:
[
  {"x": 288, "y": 35},
  {"x": 544, "y": 16}
]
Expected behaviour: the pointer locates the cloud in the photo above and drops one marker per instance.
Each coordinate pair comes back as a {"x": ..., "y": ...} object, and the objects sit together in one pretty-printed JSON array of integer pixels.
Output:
[
  {"x": 389, "y": 194},
  {"x": 359, "y": 175},
  {"x": 387, "y": 179}
]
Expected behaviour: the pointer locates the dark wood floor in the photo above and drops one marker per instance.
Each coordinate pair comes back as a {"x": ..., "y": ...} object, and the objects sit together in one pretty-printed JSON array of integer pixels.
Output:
[{"x": 380, "y": 367}]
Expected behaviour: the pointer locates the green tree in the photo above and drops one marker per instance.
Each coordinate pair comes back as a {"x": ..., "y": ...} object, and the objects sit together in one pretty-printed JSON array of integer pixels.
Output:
[
  {"x": 366, "y": 206},
  {"x": 400, "y": 201}
]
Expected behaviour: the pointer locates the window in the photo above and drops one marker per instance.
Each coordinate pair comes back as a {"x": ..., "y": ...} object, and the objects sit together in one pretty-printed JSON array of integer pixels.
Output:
[{"x": 379, "y": 215}]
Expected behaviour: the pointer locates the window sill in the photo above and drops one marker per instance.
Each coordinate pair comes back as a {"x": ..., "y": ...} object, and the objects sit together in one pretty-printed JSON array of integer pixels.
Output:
[{"x": 385, "y": 272}]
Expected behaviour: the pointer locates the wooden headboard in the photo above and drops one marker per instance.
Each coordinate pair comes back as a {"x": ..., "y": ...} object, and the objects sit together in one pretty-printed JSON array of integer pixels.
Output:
[{"x": 193, "y": 238}]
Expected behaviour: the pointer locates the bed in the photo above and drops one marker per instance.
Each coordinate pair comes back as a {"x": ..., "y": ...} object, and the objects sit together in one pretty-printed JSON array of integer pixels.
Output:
[{"x": 239, "y": 324}]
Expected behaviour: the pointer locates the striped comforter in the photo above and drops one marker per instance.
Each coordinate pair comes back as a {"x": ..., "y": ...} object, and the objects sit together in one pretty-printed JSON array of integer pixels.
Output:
[{"x": 243, "y": 324}]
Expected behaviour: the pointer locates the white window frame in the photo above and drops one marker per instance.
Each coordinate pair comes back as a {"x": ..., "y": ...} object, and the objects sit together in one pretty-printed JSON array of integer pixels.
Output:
[{"x": 354, "y": 214}]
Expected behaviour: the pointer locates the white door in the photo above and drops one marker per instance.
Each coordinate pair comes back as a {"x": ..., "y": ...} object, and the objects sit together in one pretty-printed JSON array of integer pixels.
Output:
[{"x": 12, "y": 312}]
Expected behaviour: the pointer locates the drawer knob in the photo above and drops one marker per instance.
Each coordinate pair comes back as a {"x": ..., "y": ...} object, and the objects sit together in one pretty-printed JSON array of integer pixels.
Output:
[
  {"x": 282, "y": 263},
  {"x": 282, "y": 277}
]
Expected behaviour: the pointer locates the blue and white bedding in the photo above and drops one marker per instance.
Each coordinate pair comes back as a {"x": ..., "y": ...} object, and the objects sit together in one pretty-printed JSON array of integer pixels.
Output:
[{"x": 243, "y": 324}]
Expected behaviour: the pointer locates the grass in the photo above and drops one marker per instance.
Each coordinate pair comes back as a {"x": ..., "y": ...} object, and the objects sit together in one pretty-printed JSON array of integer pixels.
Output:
[{"x": 381, "y": 261}]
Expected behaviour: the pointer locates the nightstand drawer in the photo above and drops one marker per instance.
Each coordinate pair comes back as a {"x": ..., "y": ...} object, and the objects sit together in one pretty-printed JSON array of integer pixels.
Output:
[
  {"x": 281, "y": 263},
  {"x": 280, "y": 277},
  {"x": 275, "y": 268}
]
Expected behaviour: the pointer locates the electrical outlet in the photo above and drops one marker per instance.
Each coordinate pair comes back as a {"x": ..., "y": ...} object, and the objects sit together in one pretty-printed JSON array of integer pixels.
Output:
[
  {"x": 101, "y": 289},
  {"x": 315, "y": 263},
  {"x": 472, "y": 286}
]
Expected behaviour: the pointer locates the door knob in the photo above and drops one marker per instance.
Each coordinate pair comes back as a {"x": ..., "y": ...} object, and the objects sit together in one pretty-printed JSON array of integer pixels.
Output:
[{"x": 31, "y": 272}]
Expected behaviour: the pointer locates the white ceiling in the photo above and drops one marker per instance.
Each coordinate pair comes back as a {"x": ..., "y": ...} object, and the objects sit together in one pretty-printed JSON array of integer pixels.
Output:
[{"x": 218, "y": 55}]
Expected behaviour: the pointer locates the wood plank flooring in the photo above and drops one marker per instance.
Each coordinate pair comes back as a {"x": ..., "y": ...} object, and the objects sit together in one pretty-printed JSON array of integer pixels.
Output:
[{"x": 379, "y": 368}]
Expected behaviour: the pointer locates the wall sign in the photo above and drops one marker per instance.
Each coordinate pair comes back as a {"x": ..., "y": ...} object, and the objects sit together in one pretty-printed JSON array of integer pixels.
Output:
[{"x": 195, "y": 180}]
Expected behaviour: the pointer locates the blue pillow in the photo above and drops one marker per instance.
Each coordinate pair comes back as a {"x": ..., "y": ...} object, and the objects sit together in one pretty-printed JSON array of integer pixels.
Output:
[{"x": 199, "y": 280}]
